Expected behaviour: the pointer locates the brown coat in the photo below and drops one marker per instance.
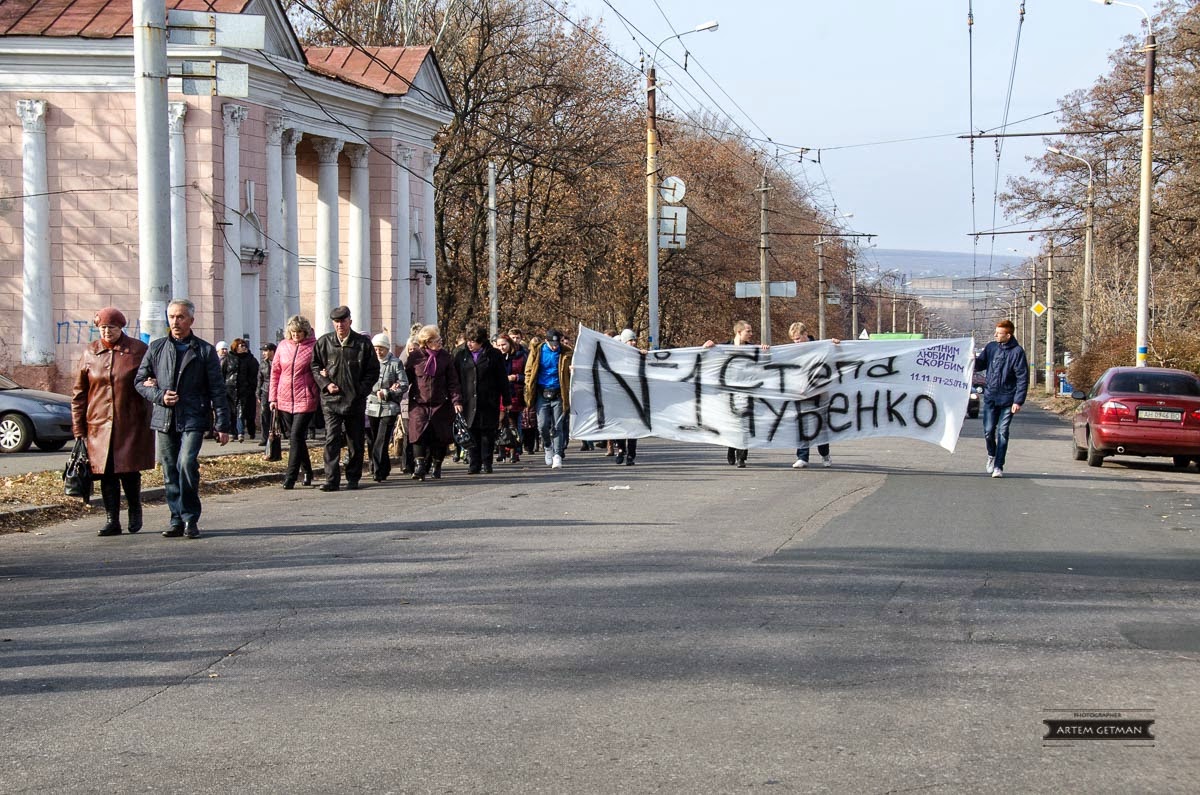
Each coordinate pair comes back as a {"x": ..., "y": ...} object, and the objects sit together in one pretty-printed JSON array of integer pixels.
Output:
[{"x": 105, "y": 407}]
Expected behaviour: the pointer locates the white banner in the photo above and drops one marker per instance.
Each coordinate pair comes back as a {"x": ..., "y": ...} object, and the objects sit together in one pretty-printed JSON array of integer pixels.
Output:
[{"x": 788, "y": 396}]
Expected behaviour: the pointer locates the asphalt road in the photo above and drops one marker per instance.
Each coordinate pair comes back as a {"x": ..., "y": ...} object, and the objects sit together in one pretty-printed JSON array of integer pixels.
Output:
[{"x": 900, "y": 622}]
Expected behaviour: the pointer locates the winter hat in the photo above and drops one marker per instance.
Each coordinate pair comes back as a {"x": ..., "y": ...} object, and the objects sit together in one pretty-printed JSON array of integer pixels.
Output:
[
  {"x": 222, "y": 345},
  {"x": 381, "y": 340},
  {"x": 628, "y": 335},
  {"x": 110, "y": 316}
]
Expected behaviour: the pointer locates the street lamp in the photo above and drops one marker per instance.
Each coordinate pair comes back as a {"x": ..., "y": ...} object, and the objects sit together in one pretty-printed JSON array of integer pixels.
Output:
[
  {"x": 1087, "y": 248},
  {"x": 1143, "y": 291},
  {"x": 652, "y": 181}
]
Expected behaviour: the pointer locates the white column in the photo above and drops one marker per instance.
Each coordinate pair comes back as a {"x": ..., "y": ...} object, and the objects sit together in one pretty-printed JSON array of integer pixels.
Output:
[
  {"x": 276, "y": 276},
  {"x": 325, "y": 280},
  {"x": 359, "y": 266},
  {"x": 37, "y": 308},
  {"x": 176, "y": 111},
  {"x": 150, "y": 73},
  {"x": 291, "y": 238},
  {"x": 231, "y": 236},
  {"x": 402, "y": 284},
  {"x": 430, "y": 235}
]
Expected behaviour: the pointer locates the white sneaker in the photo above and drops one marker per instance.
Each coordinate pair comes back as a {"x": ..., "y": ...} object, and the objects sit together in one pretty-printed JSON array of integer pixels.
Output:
[
  {"x": 800, "y": 463},
  {"x": 549, "y": 457},
  {"x": 826, "y": 461},
  {"x": 991, "y": 465},
  {"x": 556, "y": 462},
  {"x": 997, "y": 472}
]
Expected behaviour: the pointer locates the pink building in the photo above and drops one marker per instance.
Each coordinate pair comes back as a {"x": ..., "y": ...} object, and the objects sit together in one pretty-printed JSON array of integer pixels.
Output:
[{"x": 314, "y": 190}]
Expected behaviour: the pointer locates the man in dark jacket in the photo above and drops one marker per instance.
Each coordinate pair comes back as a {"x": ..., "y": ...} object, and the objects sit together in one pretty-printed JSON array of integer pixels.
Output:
[
  {"x": 345, "y": 368},
  {"x": 264, "y": 390},
  {"x": 1004, "y": 389},
  {"x": 181, "y": 377}
]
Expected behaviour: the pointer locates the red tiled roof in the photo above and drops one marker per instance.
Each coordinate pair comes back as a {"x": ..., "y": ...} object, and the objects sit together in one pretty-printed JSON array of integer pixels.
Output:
[
  {"x": 90, "y": 19},
  {"x": 388, "y": 70}
]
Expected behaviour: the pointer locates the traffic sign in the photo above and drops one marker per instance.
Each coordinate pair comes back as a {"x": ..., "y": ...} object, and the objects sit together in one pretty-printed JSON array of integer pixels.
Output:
[
  {"x": 774, "y": 289},
  {"x": 1038, "y": 308}
]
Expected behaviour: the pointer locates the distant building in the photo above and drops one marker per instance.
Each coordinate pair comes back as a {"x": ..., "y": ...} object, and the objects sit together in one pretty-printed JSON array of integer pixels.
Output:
[{"x": 251, "y": 179}]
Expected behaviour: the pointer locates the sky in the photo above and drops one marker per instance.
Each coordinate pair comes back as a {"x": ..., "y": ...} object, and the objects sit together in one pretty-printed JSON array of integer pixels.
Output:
[{"x": 842, "y": 76}]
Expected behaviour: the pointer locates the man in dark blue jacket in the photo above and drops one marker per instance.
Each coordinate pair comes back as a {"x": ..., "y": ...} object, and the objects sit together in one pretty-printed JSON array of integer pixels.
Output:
[
  {"x": 1005, "y": 385},
  {"x": 181, "y": 377}
]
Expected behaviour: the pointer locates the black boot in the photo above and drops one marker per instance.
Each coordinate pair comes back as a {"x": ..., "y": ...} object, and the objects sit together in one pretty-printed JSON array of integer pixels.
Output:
[
  {"x": 133, "y": 496},
  {"x": 437, "y": 469},
  {"x": 421, "y": 469},
  {"x": 110, "y": 494}
]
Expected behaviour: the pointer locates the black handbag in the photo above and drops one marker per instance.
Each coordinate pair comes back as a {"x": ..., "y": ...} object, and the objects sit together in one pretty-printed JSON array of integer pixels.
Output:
[
  {"x": 77, "y": 475},
  {"x": 509, "y": 436},
  {"x": 462, "y": 432},
  {"x": 275, "y": 440}
]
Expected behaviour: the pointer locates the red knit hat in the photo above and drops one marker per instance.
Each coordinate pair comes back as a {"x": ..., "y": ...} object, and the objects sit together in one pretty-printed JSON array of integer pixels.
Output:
[{"x": 110, "y": 316}]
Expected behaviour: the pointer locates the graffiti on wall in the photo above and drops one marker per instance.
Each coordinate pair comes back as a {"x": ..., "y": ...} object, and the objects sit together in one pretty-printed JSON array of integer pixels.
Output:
[{"x": 73, "y": 333}]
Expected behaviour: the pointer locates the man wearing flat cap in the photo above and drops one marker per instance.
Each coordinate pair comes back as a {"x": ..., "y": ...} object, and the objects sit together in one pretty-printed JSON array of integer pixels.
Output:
[
  {"x": 548, "y": 386},
  {"x": 345, "y": 367}
]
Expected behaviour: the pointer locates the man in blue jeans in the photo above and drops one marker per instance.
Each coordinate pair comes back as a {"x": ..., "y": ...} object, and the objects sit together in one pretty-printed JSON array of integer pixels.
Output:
[
  {"x": 1005, "y": 385},
  {"x": 181, "y": 377},
  {"x": 548, "y": 387}
]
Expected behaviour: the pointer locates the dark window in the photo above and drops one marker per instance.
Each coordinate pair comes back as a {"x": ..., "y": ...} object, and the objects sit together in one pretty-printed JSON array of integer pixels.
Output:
[{"x": 1177, "y": 384}]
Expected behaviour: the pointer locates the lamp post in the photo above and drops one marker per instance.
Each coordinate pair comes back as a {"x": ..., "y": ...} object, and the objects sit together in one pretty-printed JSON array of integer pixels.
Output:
[
  {"x": 1088, "y": 242},
  {"x": 652, "y": 182},
  {"x": 1143, "y": 289}
]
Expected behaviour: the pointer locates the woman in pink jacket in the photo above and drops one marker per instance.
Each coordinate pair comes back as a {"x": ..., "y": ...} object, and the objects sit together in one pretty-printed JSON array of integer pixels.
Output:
[{"x": 294, "y": 394}]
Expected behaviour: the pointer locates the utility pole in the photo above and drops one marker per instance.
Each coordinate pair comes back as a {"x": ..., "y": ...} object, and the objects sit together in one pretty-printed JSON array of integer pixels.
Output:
[
  {"x": 854, "y": 300},
  {"x": 1049, "y": 364},
  {"x": 493, "y": 297},
  {"x": 1143, "y": 293},
  {"x": 820, "y": 246},
  {"x": 1032, "y": 349},
  {"x": 764, "y": 272},
  {"x": 153, "y": 163},
  {"x": 652, "y": 204},
  {"x": 1088, "y": 242}
]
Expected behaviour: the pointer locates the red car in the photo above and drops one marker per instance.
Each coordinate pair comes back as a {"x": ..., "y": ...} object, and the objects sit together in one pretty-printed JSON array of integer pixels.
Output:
[{"x": 1143, "y": 411}]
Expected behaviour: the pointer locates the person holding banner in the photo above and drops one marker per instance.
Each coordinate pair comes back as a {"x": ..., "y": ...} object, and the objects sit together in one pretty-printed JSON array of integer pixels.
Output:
[
  {"x": 548, "y": 386},
  {"x": 1004, "y": 391},
  {"x": 743, "y": 333},
  {"x": 798, "y": 332}
]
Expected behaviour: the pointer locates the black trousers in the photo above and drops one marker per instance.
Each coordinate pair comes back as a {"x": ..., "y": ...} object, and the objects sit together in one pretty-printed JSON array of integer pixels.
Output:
[
  {"x": 482, "y": 449},
  {"x": 296, "y": 427},
  {"x": 265, "y": 417},
  {"x": 349, "y": 431},
  {"x": 380, "y": 432}
]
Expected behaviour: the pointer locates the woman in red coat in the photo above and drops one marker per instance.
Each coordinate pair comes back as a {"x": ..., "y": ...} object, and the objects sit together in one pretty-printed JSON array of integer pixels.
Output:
[
  {"x": 293, "y": 393},
  {"x": 433, "y": 400},
  {"x": 108, "y": 412}
]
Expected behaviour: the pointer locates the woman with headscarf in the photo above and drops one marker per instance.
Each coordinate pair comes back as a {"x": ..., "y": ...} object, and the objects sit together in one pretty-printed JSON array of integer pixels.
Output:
[
  {"x": 293, "y": 394},
  {"x": 433, "y": 400},
  {"x": 108, "y": 412},
  {"x": 483, "y": 379},
  {"x": 383, "y": 406}
]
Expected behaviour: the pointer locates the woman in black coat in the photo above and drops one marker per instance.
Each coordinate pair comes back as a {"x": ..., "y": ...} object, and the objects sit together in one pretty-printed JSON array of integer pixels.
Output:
[
  {"x": 240, "y": 370},
  {"x": 483, "y": 378},
  {"x": 433, "y": 400}
]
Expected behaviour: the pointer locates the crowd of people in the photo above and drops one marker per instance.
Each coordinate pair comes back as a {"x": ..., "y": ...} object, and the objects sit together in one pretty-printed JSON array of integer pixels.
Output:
[{"x": 492, "y": 400}]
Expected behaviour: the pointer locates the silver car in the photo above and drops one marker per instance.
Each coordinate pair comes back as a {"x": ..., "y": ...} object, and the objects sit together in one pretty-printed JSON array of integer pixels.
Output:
[{"x": 31, "y": 416}]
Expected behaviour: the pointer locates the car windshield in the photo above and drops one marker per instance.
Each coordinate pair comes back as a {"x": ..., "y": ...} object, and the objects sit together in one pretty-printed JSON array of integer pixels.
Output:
[
  {"x": 1177, "y": 384},
  {"x": 8, "y": 383}
]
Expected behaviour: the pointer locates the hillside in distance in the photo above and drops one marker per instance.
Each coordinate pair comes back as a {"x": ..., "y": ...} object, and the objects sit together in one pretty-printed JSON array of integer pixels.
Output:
[{"x": 941, "y": 263}]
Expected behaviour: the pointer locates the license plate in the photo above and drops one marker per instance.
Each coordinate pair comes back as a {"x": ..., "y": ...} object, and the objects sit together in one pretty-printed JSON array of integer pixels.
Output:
[{"x": 1159, "y": 414}]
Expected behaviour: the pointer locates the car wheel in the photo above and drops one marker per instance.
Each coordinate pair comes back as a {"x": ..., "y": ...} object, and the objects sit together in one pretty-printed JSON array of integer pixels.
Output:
[
  {"x": 15, "y": 433},
  {"x": 51, "y": 447},
  {"x": 1094, "y": 457},
  {"x": 1078, "y": 452},
  {"x": 1181, "y": 461}
]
